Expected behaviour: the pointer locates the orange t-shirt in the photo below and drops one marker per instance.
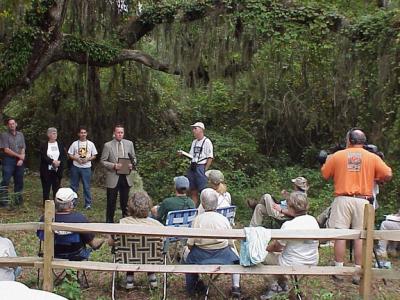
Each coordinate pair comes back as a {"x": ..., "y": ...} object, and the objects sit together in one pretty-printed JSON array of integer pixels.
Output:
[{"x": 354, "y": 171}]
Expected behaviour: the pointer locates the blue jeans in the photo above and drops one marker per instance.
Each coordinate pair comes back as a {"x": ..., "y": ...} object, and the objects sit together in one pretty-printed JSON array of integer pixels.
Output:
[
  {"x": 86, "y": 175},
  {"x": 10, "y": 169}
]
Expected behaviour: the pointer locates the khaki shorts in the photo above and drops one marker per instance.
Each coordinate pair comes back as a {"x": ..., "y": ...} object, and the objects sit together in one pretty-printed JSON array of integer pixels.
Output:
[{"x": 347, "y": 212}]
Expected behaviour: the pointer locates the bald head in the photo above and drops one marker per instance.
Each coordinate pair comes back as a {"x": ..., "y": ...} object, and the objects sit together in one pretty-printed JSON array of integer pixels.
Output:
[{"x": 356, "y": 137}]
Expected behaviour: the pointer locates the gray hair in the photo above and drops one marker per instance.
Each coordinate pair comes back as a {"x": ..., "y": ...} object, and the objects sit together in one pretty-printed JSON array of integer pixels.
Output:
[
  {"x": 139, "y": 205},
  {"x": 63, "y": 206},
  {"x": 51, "y": 130},
  {"x": 209, "y": 199},
  {"x": 298, "y": 201}
]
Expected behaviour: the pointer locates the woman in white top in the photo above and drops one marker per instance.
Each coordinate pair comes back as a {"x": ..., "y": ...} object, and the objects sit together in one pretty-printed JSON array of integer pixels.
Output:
[
  {"x": 52, "y": 158},
  {"x": 216, "y": 181}
]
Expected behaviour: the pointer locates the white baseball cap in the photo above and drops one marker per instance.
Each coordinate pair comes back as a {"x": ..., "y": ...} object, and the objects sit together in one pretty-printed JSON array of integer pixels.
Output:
[
  {"x": 198, "y": 124},
  {"x": 65, "y": 195}
]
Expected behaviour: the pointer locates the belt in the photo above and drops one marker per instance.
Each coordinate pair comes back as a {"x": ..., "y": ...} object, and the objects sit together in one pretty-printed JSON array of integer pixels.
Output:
[{"x": 369, "y": 198}]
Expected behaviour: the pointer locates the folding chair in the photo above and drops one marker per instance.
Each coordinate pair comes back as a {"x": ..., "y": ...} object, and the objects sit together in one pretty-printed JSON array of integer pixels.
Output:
[
  {"x": 229, "y": 212},
  {"x": 66, "y": 239},
  {"x": 178, "y": 218},
  {"x": 4, "y": 199},
  {"x": 130, "y": 249}
]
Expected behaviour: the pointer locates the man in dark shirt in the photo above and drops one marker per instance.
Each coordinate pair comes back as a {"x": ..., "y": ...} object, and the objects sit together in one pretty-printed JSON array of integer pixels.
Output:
[
  {"x": 13, "y": 144},
  {"x": 178, "y": 202},
  {"x": 76, "y": 250}
]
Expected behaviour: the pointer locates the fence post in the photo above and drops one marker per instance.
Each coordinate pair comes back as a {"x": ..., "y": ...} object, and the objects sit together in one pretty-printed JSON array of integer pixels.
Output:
[
  {"x": 367, "y": 251},
  {"x": 48, "y": 246}
]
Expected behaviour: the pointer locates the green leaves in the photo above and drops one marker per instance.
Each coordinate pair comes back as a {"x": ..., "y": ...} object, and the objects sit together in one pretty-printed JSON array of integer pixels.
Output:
[
  {"x": 14, "y": 58},
  {"x": 97, "y": 51}
]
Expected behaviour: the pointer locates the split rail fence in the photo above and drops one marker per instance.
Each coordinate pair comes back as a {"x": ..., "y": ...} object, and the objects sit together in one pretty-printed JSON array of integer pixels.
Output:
[{"x": 47, "y": 262}]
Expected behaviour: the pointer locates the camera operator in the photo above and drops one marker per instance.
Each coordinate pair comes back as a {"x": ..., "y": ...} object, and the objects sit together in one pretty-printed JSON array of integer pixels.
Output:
[{"x": 354, "y": 171}]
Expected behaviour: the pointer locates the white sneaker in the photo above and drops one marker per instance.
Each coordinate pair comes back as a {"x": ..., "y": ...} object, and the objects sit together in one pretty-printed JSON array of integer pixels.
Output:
[
  {"x": 129, "y": 282},
  {"x": 153, "y": 284}
]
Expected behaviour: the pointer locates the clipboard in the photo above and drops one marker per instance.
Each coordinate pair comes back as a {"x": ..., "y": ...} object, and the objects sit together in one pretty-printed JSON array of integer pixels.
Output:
[{"x": 125, "y": 166}]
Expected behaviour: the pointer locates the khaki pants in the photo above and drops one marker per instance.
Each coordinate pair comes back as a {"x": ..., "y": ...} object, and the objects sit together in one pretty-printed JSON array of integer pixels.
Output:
[
  {"x": 265, "y": 208},
  {"x": 272, "y": 259},
  {"x": 383, "y": 244}
]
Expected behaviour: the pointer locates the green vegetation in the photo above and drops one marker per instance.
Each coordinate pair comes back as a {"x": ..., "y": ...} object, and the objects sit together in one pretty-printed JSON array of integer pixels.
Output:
[{"x": 274, "y": 82}]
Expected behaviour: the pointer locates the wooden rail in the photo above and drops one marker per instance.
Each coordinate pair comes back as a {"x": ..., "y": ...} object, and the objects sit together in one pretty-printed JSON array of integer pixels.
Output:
[{"x": 47, "y": 263}]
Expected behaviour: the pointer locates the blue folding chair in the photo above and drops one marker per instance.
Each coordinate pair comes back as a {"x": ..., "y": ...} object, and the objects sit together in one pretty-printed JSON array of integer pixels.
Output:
[
  {"x": 66, "y": 239},
  {"x": 229, "y": 212},
  {"x": 178, "y": 218}
]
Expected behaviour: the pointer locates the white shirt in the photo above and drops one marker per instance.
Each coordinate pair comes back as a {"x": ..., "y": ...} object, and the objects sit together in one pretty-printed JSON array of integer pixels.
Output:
[
  {"x": 224, "y": 200},
  {"x": 6, "y": 250},
  {"x": 207, "y": 151},
  {"x": 84, "y": 149},
  {"x": 52, "y": 151},
  {"x": 300, "y": 252},
  {"x": 17, "y": 291}
]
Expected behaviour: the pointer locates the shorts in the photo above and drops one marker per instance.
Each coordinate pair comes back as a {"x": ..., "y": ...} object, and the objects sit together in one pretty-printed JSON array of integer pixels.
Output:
[
  {"x": 347, "y": 212},
  {"x": 197, "y": 179}
]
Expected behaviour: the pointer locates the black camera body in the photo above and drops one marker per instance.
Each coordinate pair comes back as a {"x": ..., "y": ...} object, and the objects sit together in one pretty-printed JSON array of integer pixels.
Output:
[{"x": 323, "y": 154}]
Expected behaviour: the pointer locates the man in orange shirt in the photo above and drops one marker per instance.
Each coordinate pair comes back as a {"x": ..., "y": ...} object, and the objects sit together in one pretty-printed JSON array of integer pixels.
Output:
[{"x": 354, "y": 171}]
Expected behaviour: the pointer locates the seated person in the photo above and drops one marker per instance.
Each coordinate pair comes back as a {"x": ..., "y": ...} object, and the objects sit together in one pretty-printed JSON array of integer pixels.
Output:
[
  {"x": 139, "y": 205},
  {"x": 178, "y": 202},
  {"x": 216, "y": 181},
  {"x": 210, "y": 251},
  {"x": 292, "y": 252},
  {"x": 267, "y": 206},
  {"x": 384, "y": 247},
  {"x": 64, "y": 202},
  {"x": 7, "y": 250}
]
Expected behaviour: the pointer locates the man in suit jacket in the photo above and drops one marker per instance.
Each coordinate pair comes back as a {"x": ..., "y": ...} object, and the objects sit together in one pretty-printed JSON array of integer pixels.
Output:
[{"x": 112, "y": 150}]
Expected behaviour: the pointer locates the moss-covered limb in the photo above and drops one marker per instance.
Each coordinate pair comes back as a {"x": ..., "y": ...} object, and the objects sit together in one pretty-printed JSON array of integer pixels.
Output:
[
  {"x": 250, "y": 11},
  {"x": 84, "y": 51},
  {"x": 154, "y": 14},
  {"x": 15, "y": 57}
]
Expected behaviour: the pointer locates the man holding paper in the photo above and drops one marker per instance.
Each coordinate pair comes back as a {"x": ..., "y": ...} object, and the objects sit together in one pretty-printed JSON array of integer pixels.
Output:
[
  {"x": 118, "y": 158},
  {"x": 201, "y": 155}
]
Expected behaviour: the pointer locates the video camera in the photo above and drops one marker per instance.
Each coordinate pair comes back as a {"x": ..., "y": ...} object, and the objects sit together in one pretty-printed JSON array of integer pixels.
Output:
[{"x": 323, "y": 154}]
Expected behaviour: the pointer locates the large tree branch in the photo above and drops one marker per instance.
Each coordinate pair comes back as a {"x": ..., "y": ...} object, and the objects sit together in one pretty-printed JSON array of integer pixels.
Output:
[
  {"x": 100, "y": 55},
  {"x": 139, "y": 26}
]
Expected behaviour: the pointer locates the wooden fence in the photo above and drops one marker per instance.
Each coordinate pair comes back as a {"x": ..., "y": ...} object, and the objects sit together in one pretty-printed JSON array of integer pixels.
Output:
[{"x": 47, "y": 263}]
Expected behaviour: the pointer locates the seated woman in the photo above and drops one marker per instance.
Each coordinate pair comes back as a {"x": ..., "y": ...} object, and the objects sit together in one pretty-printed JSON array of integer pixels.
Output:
[
  {"x": 216, "y": 181},
  {"x": 139, "y": 210},
  {"x": 7, "y": 250},
  {"x": 210, "y": 251},
  {"x": 292, "y": 252}
]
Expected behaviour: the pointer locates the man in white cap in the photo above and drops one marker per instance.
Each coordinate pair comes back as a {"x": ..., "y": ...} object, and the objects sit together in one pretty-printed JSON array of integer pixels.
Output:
[
  {"x": 201, "y": 154},
  {"x": 268, "y": 207},
  {"x": 65, "y": 213},
  {"x": 178, "y": 202}
]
